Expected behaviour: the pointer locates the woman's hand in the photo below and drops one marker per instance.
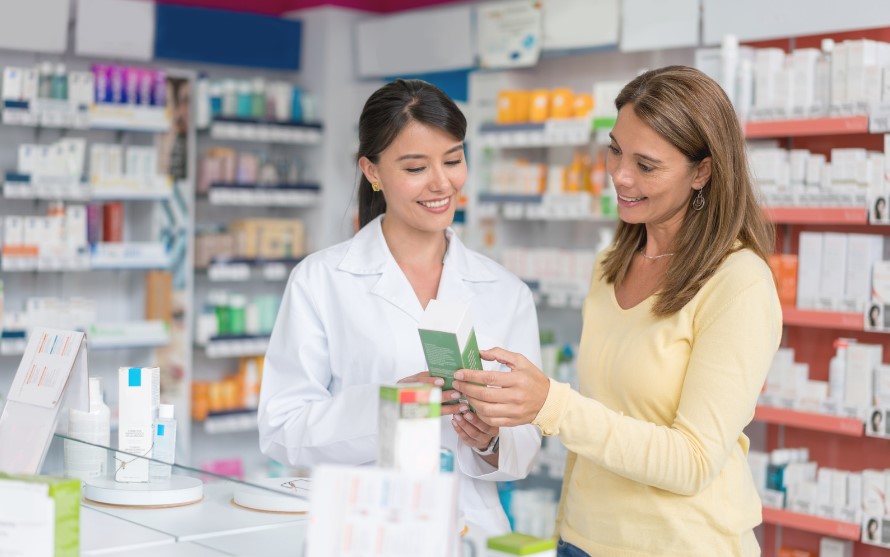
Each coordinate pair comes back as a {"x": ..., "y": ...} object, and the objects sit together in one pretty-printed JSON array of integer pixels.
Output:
[
  {"x": 447, "y": 396},
  {"x": 521, "y": 394},
  {"x": 472, "y": 430}
]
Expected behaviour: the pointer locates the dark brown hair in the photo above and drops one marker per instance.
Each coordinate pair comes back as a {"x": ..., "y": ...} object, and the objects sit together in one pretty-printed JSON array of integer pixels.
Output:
[{"x": 386, "y": 113}]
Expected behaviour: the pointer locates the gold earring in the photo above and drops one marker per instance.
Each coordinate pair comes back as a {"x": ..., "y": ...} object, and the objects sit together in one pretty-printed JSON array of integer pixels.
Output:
[{"x": 376, "y": 186}]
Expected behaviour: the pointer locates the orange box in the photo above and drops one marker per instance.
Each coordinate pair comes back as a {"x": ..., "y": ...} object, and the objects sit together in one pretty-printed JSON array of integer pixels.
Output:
[
  {"x": 159, "y": 295},
  {"x": 562, "y": 103},
  {"x": 522, "y": 103},
  {"x": 794, "y": 552},
  {"x": 583, "y": 105},
  {"x": 539, "y": 109},
  {"x": 504, "y": 114},
  {"x": 784, "y": 268}
]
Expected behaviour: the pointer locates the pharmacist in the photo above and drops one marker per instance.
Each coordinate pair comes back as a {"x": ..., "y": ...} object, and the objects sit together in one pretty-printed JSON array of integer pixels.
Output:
[{"x": 349, "y": 317}]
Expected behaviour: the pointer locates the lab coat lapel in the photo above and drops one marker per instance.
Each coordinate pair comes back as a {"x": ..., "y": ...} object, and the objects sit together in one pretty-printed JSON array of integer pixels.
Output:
[{"x": 368, "y": 254}]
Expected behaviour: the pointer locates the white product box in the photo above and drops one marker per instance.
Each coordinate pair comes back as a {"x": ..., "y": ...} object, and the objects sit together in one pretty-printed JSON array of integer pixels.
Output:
[
  {"x": 860, "y": 54},
  {"x": 33, "y": 231},
  {"x": 834, "y": 265},
  {"x": 873, "y": 492},
  {"x": 838, "y": 77},
  {"x": 73, "y": 156},
  {"x": 839, "y": 492},
  {"x": 804, "y": 66},
  {"x": 76, "y": 226},
  {"x": 853, "y": 510},
  {"x": 815, "y": 166},
  {"x": 809, "y": 270},
  {"x": 863, "y": 251},
  {"x": 802, "y": 497},
  {"x": 29, "y": 84},
  {"x": 882, "y": 385},
  {"x": 825, "y": 482},
  {"x": 831, "y": 547},
  {"x": 409, "y": 428},
  {"x": 139, "y": 397},
  {"x": 13, "y": 231},
  {"x": 813, "y": 396},
  {"x": 862, "y": 359},
  {"x": 12, "y": 83}
]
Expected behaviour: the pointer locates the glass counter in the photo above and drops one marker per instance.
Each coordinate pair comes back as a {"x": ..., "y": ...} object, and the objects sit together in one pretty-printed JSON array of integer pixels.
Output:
[{"x": 192, "y": 513}]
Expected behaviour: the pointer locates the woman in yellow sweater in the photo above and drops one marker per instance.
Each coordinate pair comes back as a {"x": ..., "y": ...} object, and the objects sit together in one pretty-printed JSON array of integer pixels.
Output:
[{"x": 680, "y": 326}]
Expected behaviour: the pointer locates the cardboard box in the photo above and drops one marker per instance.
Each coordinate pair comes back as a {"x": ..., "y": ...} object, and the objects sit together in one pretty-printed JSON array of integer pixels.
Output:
[
  {"x": 139, "y": 398},
  {"x": 64, "y": 508},
  {"x": 521, "y": 544},
  {"x": 784, "y": 268},
  {"x": 448, "y": 339},
  {"x": 159, "y": 296}
]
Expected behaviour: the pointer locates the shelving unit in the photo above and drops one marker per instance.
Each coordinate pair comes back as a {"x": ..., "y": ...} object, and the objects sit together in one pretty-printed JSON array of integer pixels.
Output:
[
  {"x": 837, "y": 320},
  {"x": 818, "y": 215},
  {"x": 242, "y": 129},
  {"x": 234, "y": 347},
  {"x": 806, "y": 127},
  {"x": 812, "y": 524},
  {"x": 256, "y": 195},
  {"x": 233, "y": 421},
  {"x": 837, "y": 425},
  {"x": 240, "y": 270}
]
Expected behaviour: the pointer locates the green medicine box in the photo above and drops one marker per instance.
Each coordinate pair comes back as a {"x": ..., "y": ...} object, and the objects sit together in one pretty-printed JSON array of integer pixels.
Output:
[
  {"x": 66, "y": 494},
  {"x": 521, "y": 544},
  {"x": 448, "y": 339}
]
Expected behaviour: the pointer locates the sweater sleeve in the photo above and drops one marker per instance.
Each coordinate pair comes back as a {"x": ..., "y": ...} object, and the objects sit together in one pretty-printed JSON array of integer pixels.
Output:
[{"x": 730, "y": 357}]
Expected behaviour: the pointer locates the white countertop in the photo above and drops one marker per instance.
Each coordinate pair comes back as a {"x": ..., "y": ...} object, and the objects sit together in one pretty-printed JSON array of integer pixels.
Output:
[
  {"x": 103, "y": 534},
  {"x": 215, "y": 515},
  {"x": 282, "y": 541}
]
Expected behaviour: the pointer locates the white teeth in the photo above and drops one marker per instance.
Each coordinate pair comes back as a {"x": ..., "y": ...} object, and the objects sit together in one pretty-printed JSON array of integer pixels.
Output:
[
  {"x": 435, "y": 204},
  {"x": 630, "y": 199}
]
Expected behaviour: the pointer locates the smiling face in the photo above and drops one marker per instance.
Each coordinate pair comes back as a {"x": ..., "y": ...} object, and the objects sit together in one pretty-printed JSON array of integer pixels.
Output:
[
  {"x": 653, "y": 179},
  {"x": 421, "y": 173}
]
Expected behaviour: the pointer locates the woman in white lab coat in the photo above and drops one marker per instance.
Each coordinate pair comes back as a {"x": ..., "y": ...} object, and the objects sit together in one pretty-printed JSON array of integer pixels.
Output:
[{"x": 348, "y": 320}]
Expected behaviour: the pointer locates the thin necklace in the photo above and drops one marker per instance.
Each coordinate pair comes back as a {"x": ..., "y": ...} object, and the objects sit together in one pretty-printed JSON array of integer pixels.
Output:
[{"x": 654, "y": 257}]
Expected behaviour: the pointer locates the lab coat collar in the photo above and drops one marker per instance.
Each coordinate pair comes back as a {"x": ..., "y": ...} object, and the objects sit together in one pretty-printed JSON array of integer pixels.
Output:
[{"x": 368, "y": 254}]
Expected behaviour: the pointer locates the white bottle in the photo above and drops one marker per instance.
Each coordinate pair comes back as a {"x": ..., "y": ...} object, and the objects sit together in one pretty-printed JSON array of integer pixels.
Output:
[
  {"x": 83, "y": 460},
  {"x": 164, "y": 448},
  {"x": 822, "y": 94},
  {"x": 837, "y": 372}
]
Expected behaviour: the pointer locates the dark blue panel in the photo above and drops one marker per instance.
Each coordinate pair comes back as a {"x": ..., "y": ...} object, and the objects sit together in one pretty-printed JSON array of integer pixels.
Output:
[
  {"x": 454, "y": 83},
  {"x": 223, "y": 37}
]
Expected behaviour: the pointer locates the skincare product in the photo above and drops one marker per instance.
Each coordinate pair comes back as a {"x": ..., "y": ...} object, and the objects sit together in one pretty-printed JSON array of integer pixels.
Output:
[
  {"x": 409, "y": 427},
  {"x": 164, "y": 448},
  {"x": 138, "y": 399},
  {"x": 448, "y": 338}
]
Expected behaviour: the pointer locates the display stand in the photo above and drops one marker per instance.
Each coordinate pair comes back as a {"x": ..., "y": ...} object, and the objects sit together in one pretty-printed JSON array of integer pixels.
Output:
[
  {"x": 52, "y": 375},
  {"x": 175, "y": 492},
  {"x": 292, "y": 496}
]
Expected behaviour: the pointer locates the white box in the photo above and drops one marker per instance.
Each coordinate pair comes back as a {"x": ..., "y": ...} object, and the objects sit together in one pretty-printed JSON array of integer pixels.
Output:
[
  {"x": 873, "y": 492},
  {"x": 768, "y": 63},
  {"x": 834, "y": 270},
  {"x": 860, "y": 54},
  {"x": 839, "y": 492},
  {"x": 863, "y": 251},
  {"x": 853, "y": 511},
  {"x": 809, "y": 270},
  {"x": 824, "y": 481},
  {"x": 882, "y": 385},
  {"x": 12, "y": 83},
  {"x": 409, "y": 428},
  {"x": 139, "y": 396},
  {"x": 76, "y": 226},
  {"x": 815, "y": 166},
  {"x": 830, "y": 547},
  {"x": 862, "y": 359},
  {"x": 29, "y": 84},
  {"x": 13, "y": 231},
  {"x": 804, "y": 66},
  {"x": 838, "y": 77},
  {"x": 758, "y": 462}
]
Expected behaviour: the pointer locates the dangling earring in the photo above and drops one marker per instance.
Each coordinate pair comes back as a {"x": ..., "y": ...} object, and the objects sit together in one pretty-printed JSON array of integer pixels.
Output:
[
  {"x": 376, "y": 186},
  {"x": 699, "y": 202}
]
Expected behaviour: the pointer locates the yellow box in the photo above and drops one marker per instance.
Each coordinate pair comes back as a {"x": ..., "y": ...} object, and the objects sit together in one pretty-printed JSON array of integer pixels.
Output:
[
  {"x": 562, "y": 103},
  {"x": 583, "y": 105},
  {"x": 539, "y": 109}
]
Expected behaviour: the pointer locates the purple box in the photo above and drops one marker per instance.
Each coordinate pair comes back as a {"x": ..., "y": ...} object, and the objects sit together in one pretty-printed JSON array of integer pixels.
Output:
[
  {"x": 102, "y": 87},
  {"x": 159, "y": 98},
  {"x": 118, "y": 89}
]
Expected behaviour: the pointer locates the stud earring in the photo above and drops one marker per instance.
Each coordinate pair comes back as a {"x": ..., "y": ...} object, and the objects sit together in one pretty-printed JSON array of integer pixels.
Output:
[
  {"x": 699, "y": 202},
  {"x": 376, "y": 186}
]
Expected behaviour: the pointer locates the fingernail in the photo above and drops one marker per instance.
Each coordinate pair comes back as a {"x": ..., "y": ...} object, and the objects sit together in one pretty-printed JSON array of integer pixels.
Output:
[
  {"x": 457, "y": 417},
  {"x": 469, "y": 416},
  {"x": 464, "y": 408},
  {"x": 455, "y": 396},
  {"x": 439, "y": 382},
  {"x": 459, "y": 375}
]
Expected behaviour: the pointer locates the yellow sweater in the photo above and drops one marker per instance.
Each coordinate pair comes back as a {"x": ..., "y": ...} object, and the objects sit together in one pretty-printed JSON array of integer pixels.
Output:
[{"x": 657, "y": 458}]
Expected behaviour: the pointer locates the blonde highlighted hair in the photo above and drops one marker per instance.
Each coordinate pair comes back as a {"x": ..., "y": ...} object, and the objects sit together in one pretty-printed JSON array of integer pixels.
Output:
[{"x": 691, "y": 111}]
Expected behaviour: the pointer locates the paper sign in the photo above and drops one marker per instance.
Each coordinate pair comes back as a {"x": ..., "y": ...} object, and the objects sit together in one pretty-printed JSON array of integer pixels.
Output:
[
  {"x": 43, "y": 371},
  {"x": 509, "y": 35}
]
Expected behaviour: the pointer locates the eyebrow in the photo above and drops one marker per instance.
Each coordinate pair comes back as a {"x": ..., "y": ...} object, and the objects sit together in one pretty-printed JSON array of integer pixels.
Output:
[
  {"x": 456, "y": 148},
  {"x": 639, "y": 155}
]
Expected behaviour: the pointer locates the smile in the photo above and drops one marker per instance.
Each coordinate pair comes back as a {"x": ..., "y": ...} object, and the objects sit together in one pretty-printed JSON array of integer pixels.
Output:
[
  {"x": 436, "y": 204},
  {"x": 631, "y": 199}
]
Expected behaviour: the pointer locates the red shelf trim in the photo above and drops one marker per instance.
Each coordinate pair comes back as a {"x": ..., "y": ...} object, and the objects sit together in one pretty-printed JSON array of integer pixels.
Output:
[
  {"x": 814, "y": 524},
  {"x": 808, "y": 420},
  {"x": 817, "y": 215},
  {"x": 813, "y": 126},
  {"x": 823, "y": 319}
]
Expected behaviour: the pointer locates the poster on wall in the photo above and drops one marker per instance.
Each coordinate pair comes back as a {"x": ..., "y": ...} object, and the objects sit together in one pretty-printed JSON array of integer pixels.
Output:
[{"x": 509, "y": 34}]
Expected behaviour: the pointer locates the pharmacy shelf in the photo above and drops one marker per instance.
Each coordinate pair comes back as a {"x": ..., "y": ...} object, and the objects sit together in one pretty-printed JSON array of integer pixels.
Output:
[
  {"x": 813, "y": 524},
  {"x": 817, "y": 215},
  {"x": 572, "y": 207},
  {"x": 236, "y": 346},
  {"x": 848, "y": 321},
  {"x": 242, "y": 129},
  {"x": 256, "y": 195},
  {"x": 60, "y": 114},
  {"x": 240, "y": 270},
  {"x": 15, "y": 346},
  {"x": 809, "y": 420},
  {"x": 552, "y": 133},
  {"x": 234, "y": 421},
  {"x": 809, "y": 126},
  {"x": 23, "y": 186}
]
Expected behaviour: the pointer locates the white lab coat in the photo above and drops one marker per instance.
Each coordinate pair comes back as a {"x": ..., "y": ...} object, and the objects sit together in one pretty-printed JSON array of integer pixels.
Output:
[{"x": 348, "y": 323}]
